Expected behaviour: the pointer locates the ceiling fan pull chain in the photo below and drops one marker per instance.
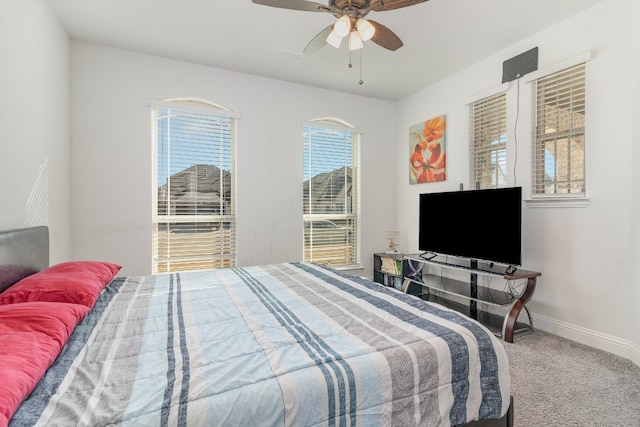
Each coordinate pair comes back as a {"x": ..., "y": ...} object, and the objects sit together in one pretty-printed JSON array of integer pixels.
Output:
[{"x": 361, "y": 81}]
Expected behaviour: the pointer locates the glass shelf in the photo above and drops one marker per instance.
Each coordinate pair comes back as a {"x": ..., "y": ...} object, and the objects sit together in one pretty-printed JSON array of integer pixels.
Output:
[{"x": 449, "y": 291}]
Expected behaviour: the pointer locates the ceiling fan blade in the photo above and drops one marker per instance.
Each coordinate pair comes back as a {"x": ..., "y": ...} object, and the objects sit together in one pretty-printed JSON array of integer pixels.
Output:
[
  {"x": 385, "y": 37},
  {"x": 318, "y": 41},
  {"x": 382, "y": 5},
  {"x": 307, "y": 6}
]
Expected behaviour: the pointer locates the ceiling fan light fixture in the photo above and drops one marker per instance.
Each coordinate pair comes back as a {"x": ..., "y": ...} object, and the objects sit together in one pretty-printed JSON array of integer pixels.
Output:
[
  {"x": 355, "y": 42},
  {"x": 365, "y": 29},
  {"x": 334, "y": 39},
  {"x": 342, "y": 27}
]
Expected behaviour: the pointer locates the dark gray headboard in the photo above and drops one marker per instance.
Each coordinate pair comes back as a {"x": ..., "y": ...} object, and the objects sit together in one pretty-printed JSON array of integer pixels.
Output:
[{"x": 23, "y": 251}]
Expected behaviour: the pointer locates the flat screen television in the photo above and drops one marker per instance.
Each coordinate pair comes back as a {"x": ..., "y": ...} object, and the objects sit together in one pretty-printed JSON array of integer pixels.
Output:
[{"x": 476, "y": 224}]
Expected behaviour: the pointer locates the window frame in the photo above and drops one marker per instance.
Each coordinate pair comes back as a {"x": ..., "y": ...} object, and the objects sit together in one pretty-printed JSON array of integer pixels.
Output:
[
  {"x": 486, "y": 108},
  {"x": 549, "y": 114},
  {"x": 223, "y": 258},
  {"x": 557, "y": 200},
  {"x": 352, "y": 257}
]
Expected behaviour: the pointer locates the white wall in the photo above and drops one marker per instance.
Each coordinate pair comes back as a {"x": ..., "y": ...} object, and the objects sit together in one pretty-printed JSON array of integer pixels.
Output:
[
  {"x": 35, "y": 119},
  {"x": 634, "y": 55},
  {"x": 584, "y": 254},
  {"x": 111, "y": 155}
]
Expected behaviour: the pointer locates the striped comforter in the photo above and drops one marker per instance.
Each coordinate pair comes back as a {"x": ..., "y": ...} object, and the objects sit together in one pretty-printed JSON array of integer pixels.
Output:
[{"x": 274, "y": 345}]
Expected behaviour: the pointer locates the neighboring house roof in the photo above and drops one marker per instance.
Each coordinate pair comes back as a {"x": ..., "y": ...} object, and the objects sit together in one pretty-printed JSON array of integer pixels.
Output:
[
  {"x": 202, "y": 185},
  {"x": 328, "y": 190},
  {"x": 206, "y": 183}
]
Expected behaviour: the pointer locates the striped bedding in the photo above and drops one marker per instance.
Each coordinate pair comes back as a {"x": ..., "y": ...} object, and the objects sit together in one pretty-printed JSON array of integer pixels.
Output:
[{"x": 275, "y": 345}]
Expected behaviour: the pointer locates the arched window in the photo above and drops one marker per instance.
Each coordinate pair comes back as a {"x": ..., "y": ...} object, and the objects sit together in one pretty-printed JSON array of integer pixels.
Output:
[
  {"x": 194, "y": 218},
  {"x": 331, "y": 192}
]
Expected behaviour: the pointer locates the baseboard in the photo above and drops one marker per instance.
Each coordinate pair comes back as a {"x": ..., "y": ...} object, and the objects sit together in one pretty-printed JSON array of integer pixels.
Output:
[
  {"x": 634, "y": 350},
  {"x": 608, "y": 343}
]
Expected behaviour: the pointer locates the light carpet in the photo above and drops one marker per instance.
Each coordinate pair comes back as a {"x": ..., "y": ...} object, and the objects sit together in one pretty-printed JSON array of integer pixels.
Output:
[{"x": 558, "y": 382}]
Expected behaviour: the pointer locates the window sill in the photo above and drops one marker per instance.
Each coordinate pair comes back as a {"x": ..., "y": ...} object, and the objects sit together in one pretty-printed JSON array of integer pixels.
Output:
[{"x": 558, "y": 202}]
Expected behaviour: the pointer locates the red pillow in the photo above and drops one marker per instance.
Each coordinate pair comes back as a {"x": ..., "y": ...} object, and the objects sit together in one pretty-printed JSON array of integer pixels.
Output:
[
  {"x": 32, "y": 335},
  {"x": 78, "y": 282}
]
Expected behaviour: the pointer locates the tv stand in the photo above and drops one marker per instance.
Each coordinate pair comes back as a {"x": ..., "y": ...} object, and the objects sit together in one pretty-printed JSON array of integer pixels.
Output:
[
  {"x": 497, "y": 309},
  {"x": 473, "y": 289}
]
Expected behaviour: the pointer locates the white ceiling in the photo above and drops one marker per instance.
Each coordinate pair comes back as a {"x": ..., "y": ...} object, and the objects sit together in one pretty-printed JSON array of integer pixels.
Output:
[{"x": 440, "y": 37}]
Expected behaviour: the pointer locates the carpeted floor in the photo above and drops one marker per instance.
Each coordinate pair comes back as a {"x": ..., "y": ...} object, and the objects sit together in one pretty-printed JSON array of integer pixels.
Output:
[{"x": 557, "y": 382}]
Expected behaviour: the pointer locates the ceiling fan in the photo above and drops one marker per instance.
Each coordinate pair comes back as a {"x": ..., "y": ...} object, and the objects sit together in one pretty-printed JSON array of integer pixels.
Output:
[{"x": 351, "y": 22}]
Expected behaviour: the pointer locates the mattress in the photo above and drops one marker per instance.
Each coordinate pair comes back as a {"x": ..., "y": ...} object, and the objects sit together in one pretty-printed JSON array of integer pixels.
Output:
[{"x": 276, "y": 345}]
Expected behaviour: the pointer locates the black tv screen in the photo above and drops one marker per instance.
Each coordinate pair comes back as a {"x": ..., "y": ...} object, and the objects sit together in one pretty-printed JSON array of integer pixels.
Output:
[{"x": 476, "y": 224}]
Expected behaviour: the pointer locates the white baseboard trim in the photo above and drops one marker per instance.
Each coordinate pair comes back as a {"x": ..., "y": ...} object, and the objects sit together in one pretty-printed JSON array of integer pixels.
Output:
[
  {"x": 608, "y": 343},
  {"x": 634, "y": 350}
]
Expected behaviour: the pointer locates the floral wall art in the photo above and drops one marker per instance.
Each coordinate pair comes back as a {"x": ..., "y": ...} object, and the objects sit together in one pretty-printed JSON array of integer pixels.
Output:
[{"x": 427, "y": 151}]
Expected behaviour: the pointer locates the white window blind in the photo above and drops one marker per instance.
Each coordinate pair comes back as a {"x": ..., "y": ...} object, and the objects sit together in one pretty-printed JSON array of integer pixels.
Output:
[
  {"x": 488, "y": 142},
  {"x": 559, "y": 150},
  {"x": 331, "y": 195},
  {"x": 194, "y": 222}
]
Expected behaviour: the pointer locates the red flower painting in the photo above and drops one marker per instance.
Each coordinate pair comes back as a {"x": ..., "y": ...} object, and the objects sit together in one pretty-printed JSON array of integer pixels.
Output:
[{"x": 428, "y": 158}]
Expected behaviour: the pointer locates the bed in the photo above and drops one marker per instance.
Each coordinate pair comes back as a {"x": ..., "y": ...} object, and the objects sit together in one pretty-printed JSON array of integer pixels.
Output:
[{"x": 274, "y": 345}]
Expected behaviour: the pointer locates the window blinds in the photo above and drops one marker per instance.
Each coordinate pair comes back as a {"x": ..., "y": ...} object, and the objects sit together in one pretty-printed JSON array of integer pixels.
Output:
[
  {"x": 559, "y": 149},
  {"x": 331, "y": 196},
  {"x": 194, "y": 193},
  {"x": 488, "y": 152}
]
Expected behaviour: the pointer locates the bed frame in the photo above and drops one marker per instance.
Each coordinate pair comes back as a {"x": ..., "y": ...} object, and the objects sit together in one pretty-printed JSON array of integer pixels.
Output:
[
  {"x": 25, "y": 251},
  {"x": 506, "y": 421}
]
